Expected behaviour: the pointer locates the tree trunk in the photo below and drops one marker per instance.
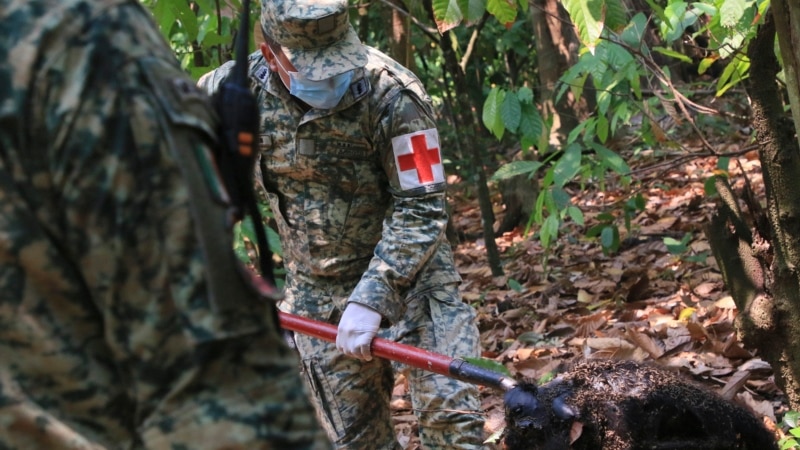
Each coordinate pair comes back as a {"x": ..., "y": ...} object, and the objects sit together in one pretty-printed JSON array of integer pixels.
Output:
[
  {"x": 399, "y": 42},
  {"x": 556, "y": 51},
  {"x": 760, "y": 260},
  {"x": 787, "y": 15},
  {"x": 470, "y": 134}
]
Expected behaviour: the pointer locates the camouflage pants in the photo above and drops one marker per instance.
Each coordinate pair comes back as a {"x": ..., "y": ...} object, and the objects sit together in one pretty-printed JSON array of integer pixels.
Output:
[{"x": 352, "y": 396}]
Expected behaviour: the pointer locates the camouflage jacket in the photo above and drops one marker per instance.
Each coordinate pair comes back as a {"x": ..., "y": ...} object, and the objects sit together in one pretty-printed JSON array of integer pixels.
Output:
[
  {"x": 363, "y": 185},
  {"x": 112, "y": 332}
]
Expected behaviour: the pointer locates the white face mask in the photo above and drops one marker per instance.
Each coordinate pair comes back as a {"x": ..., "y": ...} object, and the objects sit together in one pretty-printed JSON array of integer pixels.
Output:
[{"x": 322, "y": 94}]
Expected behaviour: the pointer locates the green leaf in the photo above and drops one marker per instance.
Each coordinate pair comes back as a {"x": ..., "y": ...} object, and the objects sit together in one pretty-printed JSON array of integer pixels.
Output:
[
  {"x": 673, "y": 54},
  {"x": 491, "y": 116},
  {"x": 211, "y": 39},
  {"x": 531, "y": 124},
  {"x": 616, "y": 15},
  {"x": 731, "y": 12},
  {"x": 735, "y": 72},
  {"x": 639, "y": 202},
  {"x": 679, "y": 19},
  {"x": 274, "y": 241},
  {"x": 611, "y": 159},
  {"x": 595, "y": 230},
  {"x": 601, "y": 129},
  {"x": 605, "y": 217},
  {"x": 447, "y": 14},
  {"x": 473, "y": 9},
  {"x": 165, "y": 16},
  {"x": 511, "y": 111},
  {"x": 609, "y": 238},
  {"x": 549, "y": 230},
  {"x": 561, "y": 198},
  {"x": 186, "y": 17},
  {"x": 514, "y": 285},
  {"x": 792, "y": 419},
  {"x": 723, "y": 163},
  {"x": 488, "y": 364},
  {"x": 504, "y": 11},
  {"x": 633, "y": 34},
  {"x": 515, "y": 168},
  {"x": 588, "y": 17},
  {"x": 658, "y": 11},
  {"x": 787, "y": 444},
  {"x": 568, "y": 165},
  {"x": 576, "y": 215},
  {"x": 710, "y": 186},
  {"x": 674, "y": 246},
  {"x": 549, "y": 201},
  {"x": 525, "y": 95},
  {"x": 205, "y": 6},
  {"x": 705, "y": 63}
]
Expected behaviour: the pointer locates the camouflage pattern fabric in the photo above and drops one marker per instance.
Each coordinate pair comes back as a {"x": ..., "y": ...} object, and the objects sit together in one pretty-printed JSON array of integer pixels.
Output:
[
  {"x": 315, "y": 35},
  {"x": 352, "y": 231},
  {"x": 112, "y": 333},
  {"x": 355, "y": 394}
]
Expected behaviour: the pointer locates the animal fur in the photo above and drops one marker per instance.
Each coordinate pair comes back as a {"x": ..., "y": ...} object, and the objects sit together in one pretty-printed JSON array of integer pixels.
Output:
[{"x": 623, "y": 405}]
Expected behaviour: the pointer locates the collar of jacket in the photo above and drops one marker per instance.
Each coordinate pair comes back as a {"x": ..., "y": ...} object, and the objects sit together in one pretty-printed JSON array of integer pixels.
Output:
[{"x": 360, "y": 87}]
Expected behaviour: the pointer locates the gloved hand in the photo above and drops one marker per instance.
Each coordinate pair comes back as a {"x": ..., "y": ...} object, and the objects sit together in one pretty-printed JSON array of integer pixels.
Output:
[{"x": 357, "y": 327}]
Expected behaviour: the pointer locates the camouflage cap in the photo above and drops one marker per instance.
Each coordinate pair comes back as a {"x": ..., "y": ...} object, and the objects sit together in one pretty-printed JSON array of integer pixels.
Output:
[{"x": 316, "y": 35}]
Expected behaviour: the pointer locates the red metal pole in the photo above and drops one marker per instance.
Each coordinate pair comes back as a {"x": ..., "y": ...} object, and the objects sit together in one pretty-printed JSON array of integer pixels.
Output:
[
  {"x": 406, "y": 354},
  {"x": 381, "y": 348}
]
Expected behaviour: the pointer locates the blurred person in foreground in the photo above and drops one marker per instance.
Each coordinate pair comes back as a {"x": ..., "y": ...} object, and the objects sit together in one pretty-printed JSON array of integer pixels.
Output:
[
  {"x": 351, "y": 163},
  {"x": 125, "y": 321}
]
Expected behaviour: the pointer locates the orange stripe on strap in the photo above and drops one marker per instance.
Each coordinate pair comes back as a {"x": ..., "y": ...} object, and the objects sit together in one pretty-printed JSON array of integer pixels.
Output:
[{"x": 245, "y": 137}]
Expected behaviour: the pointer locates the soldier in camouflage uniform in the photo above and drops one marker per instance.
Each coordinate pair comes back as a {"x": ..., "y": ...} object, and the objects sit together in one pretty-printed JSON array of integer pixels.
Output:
[
  {"x": 124, "y": 320},
  {"x": 351, "y": 163}
]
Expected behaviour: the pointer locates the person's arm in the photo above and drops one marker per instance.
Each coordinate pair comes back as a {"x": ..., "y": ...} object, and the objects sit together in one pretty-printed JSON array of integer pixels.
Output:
[
  {"x": 412, "y": 159},
  {"x": 211, "y": 81}
]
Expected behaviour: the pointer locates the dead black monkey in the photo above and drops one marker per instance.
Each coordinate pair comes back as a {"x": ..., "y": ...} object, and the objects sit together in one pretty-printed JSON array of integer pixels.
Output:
[{"x": 616, "y": 405}]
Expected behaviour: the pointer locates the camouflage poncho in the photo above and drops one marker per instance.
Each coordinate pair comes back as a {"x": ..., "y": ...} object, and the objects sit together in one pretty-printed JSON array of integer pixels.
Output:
[{"x": 116, "y": 330}]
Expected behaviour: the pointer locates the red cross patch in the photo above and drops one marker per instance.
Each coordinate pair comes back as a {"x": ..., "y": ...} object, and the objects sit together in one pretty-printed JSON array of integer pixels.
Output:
[{"x": 418, "y": 159}]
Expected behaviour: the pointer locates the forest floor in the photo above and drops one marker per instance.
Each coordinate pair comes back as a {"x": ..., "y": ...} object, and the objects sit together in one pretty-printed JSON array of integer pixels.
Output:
[{"x": 647, "y": 301}]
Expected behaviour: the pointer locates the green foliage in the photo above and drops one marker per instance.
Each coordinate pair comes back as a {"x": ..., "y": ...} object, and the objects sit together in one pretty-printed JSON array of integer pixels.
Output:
[
  {"x": 683, "y": 250},
  {"x": 202, "y": 37},
  {"x": 244, "y": 238},
  {"x": 614, "y": 65},
  {"x": 592, "y": 17},
  {"x": 450, "y": 13},
  {"x": 504, "y": 11},
  {"x": 513, "y": 111},
  {"x": 488, "y": 364},
  {"x": 615, "y": 62},
  {"x": 791, "y": 421},
  {"x": 201, "y": 32},
  {"x": 607, "y": 228},
  {"x": 677, "y": 247}
]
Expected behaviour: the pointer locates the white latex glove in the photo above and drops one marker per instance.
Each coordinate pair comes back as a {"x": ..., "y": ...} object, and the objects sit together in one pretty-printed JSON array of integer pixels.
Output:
[{"x": 357, "y": 327}]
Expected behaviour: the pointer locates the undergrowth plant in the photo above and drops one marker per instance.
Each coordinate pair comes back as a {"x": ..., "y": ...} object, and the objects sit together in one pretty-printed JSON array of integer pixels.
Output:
[
  {"x": 632, "y": 92},
  {"x": 791, "y": 422}
]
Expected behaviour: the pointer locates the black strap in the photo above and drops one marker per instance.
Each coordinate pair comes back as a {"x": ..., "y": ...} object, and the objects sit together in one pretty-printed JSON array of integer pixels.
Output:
[{"x": 236, "y": 156}]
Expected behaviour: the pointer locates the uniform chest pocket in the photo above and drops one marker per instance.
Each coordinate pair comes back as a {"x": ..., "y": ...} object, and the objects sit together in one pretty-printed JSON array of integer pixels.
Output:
[
  {"x": 277, "y": 152},
  {"x": 336, "y": 177},
  {"x": 333, "y": 161}
]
